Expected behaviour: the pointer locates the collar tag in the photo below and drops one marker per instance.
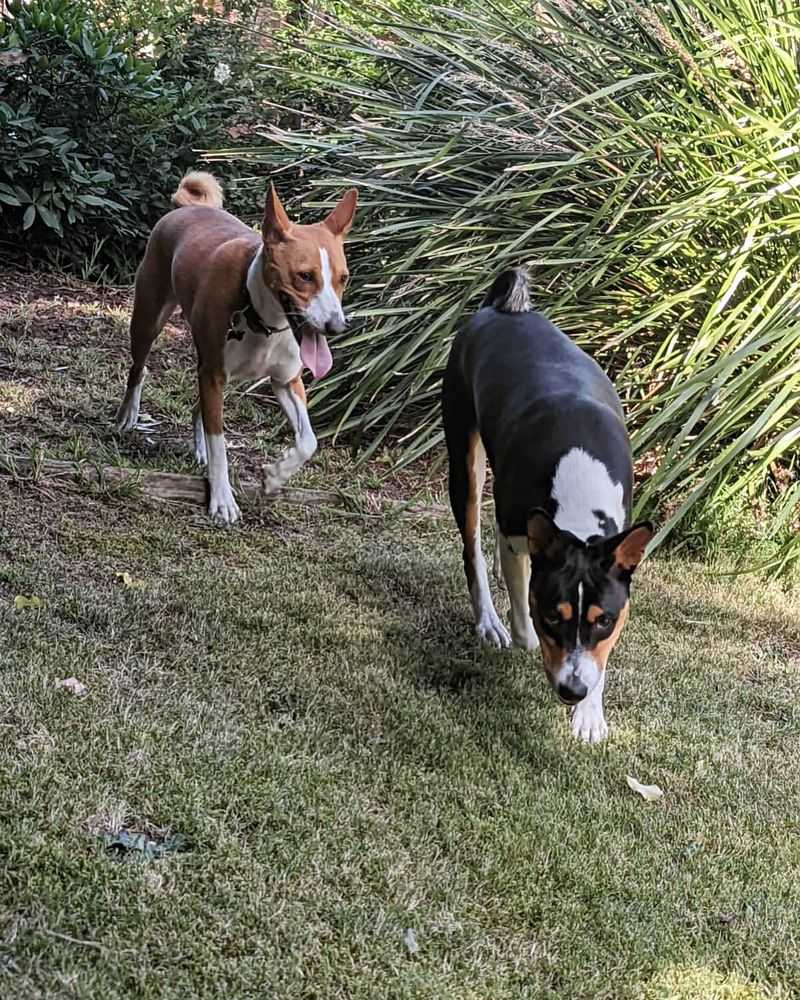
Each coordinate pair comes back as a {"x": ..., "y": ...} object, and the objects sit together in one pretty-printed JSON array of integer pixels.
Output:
[{"x": 247, "y": 320}]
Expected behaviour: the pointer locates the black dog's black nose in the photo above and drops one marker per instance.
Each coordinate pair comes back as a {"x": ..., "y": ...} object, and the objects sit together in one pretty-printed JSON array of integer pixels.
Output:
[{"x": 572, "y": 693}]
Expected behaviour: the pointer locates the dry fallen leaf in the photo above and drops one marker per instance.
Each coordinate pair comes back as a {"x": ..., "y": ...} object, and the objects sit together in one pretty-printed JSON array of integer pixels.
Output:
[
  {"x": 410, "y": 941},
  {"x": 130, "y": 581},
  {"x": 21, "y": 602},
  {"x": 648, "y": 792},
  {"x": 129, "y": 840},
  {"x": 73, "y": 685},
  {"x": 12, "y": 57}
]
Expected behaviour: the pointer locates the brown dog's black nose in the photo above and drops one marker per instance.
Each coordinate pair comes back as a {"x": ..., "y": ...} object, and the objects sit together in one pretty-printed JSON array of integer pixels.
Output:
[
  {"x": 572, "y": 693},
  {"x": 336, "y": 325}
]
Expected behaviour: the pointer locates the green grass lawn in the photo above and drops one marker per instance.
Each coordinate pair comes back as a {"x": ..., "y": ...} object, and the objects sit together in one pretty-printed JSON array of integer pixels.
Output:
[{"x": 303, "y": 698}]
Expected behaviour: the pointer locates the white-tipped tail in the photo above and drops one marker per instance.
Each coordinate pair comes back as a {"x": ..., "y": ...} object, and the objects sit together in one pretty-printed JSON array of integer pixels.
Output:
[
  {"x": 509, "y": 292},
  {"x": 198, "y": 188}
]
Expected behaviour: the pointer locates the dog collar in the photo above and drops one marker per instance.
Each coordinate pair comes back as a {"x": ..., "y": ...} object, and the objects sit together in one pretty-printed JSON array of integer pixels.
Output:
[
  {"x": 247, "y": 320},
  {"x": 290, "y": 311}
]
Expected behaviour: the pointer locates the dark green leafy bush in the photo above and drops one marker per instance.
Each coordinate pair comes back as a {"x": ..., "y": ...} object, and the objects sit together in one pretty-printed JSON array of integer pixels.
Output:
[
  {"x": 104, "y": 104},
  {"x": 101, "y": 114}
]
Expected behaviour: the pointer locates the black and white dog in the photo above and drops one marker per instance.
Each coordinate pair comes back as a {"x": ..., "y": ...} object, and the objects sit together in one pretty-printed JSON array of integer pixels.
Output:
[{"x": 518, "y": 390}]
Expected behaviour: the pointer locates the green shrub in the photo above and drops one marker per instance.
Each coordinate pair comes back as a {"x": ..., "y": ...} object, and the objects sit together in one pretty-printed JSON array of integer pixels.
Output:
[
  {"x": 104, "y": 104},
  {"x": 642, "y": 161},
  {"x": 102, "y": 108}
]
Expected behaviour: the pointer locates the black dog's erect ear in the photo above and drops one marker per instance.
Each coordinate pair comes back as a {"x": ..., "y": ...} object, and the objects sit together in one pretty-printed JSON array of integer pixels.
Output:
[
  {"x": 545, "y": 540},
  {"x": 626, "y": 550}
]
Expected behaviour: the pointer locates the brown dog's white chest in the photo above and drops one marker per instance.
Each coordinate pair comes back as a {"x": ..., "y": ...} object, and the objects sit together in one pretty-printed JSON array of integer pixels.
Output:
[{"x": 256, "y": 356}]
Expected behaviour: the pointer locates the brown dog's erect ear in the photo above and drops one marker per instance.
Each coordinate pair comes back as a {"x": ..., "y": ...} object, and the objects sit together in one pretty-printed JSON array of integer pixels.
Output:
[
  {"x": 341, "y": 218},
  {"x": 545, "y": 540},
  {"x": 627, "y": 549},
  {"x": 276, "y": 225}
]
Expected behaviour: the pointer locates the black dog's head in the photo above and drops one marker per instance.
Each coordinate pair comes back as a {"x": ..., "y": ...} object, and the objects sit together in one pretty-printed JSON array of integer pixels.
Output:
[{"x": 579, "y": 594}]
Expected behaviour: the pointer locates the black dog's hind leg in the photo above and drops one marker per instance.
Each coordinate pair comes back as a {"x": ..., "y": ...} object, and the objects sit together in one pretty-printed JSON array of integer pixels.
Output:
[{"x": 467, "y": 474}]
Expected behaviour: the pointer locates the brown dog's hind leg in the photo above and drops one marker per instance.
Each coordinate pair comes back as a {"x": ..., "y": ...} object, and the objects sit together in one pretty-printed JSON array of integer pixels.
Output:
[
  {"x": 222, "y": 507},
  {"x": 153, "y": 304}
]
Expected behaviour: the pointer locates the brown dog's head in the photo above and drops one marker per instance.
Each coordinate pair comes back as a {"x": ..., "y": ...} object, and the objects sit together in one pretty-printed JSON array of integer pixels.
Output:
[
  {"x": 305, "y": 267},
  {"x": 579, "y": 594}
]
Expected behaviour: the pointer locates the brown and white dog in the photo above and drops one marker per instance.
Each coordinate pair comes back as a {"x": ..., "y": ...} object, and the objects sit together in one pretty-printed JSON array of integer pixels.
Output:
[{"x": 257, "y": 306}]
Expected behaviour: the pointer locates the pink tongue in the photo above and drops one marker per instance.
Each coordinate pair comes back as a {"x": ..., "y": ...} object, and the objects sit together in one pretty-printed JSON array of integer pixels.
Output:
[{"x": 315, "y": 353}]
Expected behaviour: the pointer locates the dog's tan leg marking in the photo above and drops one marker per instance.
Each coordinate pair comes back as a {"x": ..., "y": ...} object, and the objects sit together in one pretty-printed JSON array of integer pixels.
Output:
[
  {"x": 517, "y": 575},
  {"x": 292, "y": 399},
  {"x": 297, "y": 387},
  {"x": 487, "y": 623},
  {"x": 153, "y": 304}
]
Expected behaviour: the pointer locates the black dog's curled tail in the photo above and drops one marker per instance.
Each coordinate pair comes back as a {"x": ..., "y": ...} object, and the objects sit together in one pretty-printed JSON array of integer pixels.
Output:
[{"x": 509, "y": 292}]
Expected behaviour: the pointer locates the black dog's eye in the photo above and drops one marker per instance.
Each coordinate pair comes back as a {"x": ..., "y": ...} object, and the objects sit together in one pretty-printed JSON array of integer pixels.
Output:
[
  {"x": 553, "y": 621},
  {"x": 603, "y": 622},
  {"x": 305, "y": 275}
]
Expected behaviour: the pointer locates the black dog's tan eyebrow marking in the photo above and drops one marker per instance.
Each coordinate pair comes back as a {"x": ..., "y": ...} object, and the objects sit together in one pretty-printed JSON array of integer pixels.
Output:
[
  {"x": 603, "y": 648},
  {"x": 565, "y": 610},
  {"x": 593, "y": 613}
]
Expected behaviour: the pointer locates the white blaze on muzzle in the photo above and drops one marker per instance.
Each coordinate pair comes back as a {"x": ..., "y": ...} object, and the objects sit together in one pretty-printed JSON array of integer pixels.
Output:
[
  {"x": 578, "y": 668},
  {"x": 323, "y": 315},
  {"x": 325, "y": 310}
]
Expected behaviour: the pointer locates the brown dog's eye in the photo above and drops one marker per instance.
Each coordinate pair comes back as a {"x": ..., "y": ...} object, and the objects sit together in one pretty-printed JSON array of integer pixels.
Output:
[
  {"x": 603, "y": 622},
  {"x": 344, "y": 279},
  {"x": 305, "y": 275}
]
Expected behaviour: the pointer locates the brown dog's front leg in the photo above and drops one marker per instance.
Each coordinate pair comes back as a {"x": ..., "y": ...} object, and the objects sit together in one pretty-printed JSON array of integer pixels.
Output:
[{"x": 292, "y": 398}]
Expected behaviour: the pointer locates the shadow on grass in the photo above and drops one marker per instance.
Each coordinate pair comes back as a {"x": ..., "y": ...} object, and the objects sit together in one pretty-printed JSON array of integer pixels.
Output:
[
  {"x": 503, "y": 698},
  {"x": 488, "y": 690}
]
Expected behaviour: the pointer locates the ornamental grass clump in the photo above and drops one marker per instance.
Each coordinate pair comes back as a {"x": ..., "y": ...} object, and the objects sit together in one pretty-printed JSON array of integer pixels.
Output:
[{"x": 643, "y": 162}]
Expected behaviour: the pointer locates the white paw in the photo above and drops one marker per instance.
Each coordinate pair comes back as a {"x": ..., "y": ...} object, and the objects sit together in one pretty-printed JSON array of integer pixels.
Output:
[
  {"x": 222, "y": 507},
  {"x": 588, "y": 722},
  {"x": 200, "y": 449},
  {"x": 127, "y": 416},
  {"x": 492, "y": 630},
  {"x": 272, "y": 484},
  {"x": 128, "y": 412},
  {"x": 272, "y": 477},
  {"x": 527, "y": 640}
]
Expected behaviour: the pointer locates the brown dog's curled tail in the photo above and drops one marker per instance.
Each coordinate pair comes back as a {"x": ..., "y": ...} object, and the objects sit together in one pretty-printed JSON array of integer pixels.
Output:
[
  {"x": 509, "y": 292},
  {"x": 198, "y": 188}
]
